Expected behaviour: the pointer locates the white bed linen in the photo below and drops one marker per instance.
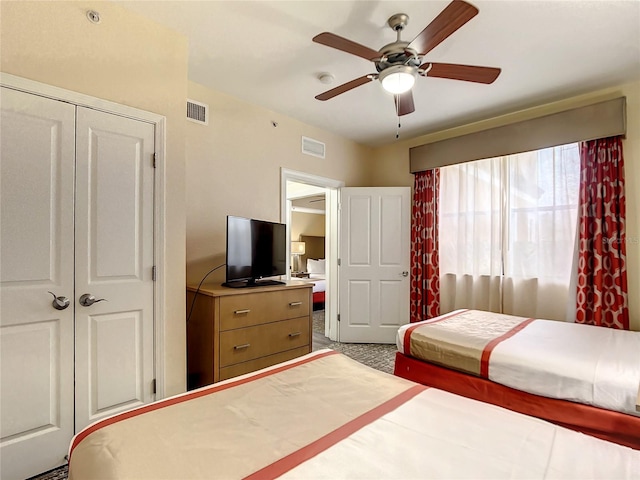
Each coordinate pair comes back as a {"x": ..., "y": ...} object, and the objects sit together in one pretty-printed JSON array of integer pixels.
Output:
[
  {"x": 592, "y": 365},
  {"x": 439, "y": 435},
  {"x": 319, "y": 282},
  {"x": 435, "y": 434}
]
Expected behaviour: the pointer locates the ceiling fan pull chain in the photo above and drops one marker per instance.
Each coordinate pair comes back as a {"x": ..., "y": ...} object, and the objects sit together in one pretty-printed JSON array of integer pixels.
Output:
[{"x": 397, "y": 102}]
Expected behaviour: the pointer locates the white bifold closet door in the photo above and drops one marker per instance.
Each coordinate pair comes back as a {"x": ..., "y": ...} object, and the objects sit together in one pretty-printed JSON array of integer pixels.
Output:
[
  {"x": 76, "y": 212},
  {"x": 114, "y": 264},
  {"x": 36, "y": 257}
]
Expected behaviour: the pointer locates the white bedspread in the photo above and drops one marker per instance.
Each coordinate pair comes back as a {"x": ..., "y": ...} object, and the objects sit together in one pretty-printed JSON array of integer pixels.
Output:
[
  {"x": 325, "y": 416},
  {"x": 592, "y": 365},
  {"x": 319, "y": 282},
  {"x": 439, "y": 435}
]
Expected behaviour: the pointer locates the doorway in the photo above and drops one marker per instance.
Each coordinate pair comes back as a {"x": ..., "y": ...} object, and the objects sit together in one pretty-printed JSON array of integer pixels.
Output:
[{"x": 306, "y": 195}]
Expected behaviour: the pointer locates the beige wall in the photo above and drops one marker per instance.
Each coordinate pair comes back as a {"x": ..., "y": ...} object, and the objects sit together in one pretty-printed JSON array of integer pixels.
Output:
[
  {"x": 234, "y": 166},
  {"x": 125, "y": 59},
  {"x": 307, "y": 224},
  {"x": 391, "y": 167}
]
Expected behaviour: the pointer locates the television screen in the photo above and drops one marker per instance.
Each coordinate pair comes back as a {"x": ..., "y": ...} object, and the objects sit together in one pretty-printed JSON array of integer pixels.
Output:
[{"x": 255, "y": 249}]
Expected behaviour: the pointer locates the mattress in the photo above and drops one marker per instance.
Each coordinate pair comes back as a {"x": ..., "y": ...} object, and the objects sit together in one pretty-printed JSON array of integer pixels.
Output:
[
  {"x": 581, "y": 363},
  {"x": 319, "y": 282},
  {"x": 326, "y": 416}
]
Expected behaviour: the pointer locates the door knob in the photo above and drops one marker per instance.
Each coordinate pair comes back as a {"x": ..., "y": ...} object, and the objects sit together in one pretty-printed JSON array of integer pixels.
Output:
[
  {"x": 86, "y": 300},
  {"x": 405, "y": 274},
  {"x": 59, "y": 303}
]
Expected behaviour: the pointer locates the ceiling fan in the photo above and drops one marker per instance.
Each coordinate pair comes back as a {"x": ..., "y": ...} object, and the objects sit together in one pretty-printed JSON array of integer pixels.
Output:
[{"x": 398, "y": 64}]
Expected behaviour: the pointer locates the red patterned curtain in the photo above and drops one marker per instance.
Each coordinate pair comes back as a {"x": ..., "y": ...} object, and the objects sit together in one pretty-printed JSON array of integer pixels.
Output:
[
  {"x": 601, "y": 297},
  {"x": 425, "y": 275}
]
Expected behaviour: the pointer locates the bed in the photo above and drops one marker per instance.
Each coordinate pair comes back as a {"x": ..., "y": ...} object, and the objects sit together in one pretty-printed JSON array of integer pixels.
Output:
[
  {"x": 316, "y": 273},
  {"x": 314, "y": 262},
  {"x": 326, "y": 416},
  {"x": 579, "y": 376}
]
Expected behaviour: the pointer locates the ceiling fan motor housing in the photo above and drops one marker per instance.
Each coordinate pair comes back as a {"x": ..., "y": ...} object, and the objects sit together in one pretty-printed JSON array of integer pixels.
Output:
[{"x": 397, "y": 53}]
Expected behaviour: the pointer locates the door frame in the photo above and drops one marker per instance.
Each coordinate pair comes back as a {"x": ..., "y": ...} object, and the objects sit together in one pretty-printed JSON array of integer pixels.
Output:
[
  {"x": 159, "y": 230},
  {"x": 331, "y": 235}
]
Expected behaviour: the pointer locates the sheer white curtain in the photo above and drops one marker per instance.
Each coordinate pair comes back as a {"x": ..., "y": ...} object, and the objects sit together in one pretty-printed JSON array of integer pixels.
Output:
[{"x": 507, "y": 232}]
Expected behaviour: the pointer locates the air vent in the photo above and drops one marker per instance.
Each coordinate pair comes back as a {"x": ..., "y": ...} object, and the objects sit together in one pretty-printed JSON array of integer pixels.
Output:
[
  {"x": 197, "y": 112},
  {"x": 312, "y": 147}
]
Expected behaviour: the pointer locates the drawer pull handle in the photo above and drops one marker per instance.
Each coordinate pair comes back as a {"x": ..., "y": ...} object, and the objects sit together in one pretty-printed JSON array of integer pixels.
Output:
[
  {"x": 295, "y": 304},
  {"x": 240, "y": 347},
  {"x": 295, "y": 334},
  {"x": 241, "y": 312}
]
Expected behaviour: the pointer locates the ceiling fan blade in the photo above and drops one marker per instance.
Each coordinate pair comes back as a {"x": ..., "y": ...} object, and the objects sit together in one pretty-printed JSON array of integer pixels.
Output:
[
  {"x": 467, "y": 73},
  {"x": 345, "y": 87},
  {"x": 404, "y": 103},
  {"x": 340, "y": 43},
  {"x": 450, "y": 19}
]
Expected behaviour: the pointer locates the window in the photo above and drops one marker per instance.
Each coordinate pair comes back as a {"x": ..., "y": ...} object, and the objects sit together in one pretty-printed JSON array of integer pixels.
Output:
[{"x": 507, "y": 221}]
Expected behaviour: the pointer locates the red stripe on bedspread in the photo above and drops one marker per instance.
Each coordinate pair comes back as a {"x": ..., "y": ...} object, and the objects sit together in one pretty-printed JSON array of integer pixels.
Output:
[
  {"x": 406, "y": 346},
  {"x": 605, "y": 424},
  {"x": 486, "y": 353},
  {"x": 294, "y": 459},
  {"x": 188, "y": 396}
]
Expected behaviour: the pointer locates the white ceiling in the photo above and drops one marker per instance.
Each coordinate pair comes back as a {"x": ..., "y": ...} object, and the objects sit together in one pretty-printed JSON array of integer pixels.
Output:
[{"x": 261, "y": 52}]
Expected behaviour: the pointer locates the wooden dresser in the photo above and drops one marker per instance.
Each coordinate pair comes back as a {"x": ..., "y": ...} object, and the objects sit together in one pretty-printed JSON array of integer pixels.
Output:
[{"x": 233, "y": 331}]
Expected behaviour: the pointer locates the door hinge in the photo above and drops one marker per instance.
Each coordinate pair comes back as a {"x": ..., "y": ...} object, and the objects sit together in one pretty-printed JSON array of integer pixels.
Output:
[
  {"x": 153, "y": 273},
  {"x": 339, "y": 262},
  {"x": 153, "y": 386},
  {"x": 154, "y": 160},
  {"x": 338, "y": 317}
]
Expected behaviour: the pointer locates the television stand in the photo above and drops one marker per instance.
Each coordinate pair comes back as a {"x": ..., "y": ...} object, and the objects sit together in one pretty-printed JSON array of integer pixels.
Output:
[
  {"x": 253, "y": 283},
  {"x": 234, "y": 331}
]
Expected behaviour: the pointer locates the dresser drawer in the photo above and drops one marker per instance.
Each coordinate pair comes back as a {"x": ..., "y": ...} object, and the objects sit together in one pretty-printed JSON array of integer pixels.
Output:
[
  {"x": 237, "y": 311},
  {"x": 244, "y": 344},
  {"x": 262, "y": 362}
]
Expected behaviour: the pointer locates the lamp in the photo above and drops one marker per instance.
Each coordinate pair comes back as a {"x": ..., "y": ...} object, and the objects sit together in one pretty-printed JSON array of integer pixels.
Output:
[
  {"x": 398, "y": 79},
  {"x": 297, "y": 249}
]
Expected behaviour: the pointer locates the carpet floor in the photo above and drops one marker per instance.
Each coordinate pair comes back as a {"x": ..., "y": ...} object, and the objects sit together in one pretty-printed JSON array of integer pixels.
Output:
[{"x": 380, "y": 357}]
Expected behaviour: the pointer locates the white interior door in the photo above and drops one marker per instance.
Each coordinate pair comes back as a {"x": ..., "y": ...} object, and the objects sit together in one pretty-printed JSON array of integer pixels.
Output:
[
  {"x": 375, "y": 229},
  {"x": 36, "y": 257},
  {"x": 114, "y": 262}
]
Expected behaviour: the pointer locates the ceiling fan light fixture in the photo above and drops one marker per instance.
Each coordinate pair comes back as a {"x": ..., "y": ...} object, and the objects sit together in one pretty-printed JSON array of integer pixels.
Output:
[{"x": 398, "y": 79}]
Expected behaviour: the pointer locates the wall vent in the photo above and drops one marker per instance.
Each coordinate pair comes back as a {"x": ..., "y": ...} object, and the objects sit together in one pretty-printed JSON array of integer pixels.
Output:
[
  {"x": 312, "y": 147},
  {"x": 198, "y": 112}
]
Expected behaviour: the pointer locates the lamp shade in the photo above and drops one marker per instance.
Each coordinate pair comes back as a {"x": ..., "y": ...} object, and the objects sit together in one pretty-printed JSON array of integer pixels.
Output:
[
  {"x": 297, "y": 248},
  {"x": 398, "y": 79}
]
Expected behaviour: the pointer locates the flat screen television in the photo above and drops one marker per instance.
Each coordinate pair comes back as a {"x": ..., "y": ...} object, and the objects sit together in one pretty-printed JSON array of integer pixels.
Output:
[{"x": 255, "y": 249}]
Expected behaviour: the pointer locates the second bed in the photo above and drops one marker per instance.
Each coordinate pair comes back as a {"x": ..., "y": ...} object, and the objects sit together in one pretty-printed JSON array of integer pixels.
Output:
[{"x": 580, "y": 376}]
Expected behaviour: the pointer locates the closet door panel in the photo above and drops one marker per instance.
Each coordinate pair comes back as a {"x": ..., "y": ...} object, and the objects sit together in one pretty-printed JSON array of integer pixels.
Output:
[
  {"x": 114, "y": 260},
  {"x": 116, "y": 364},
  {"x": 36, "y": 257}
]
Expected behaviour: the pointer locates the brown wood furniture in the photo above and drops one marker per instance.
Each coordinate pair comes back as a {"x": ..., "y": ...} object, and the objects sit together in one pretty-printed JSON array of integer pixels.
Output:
[
  {"x": 314, "y": 247},
  {"x": 233, "y": 331},
  {"x": 300, "y": 275}
]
